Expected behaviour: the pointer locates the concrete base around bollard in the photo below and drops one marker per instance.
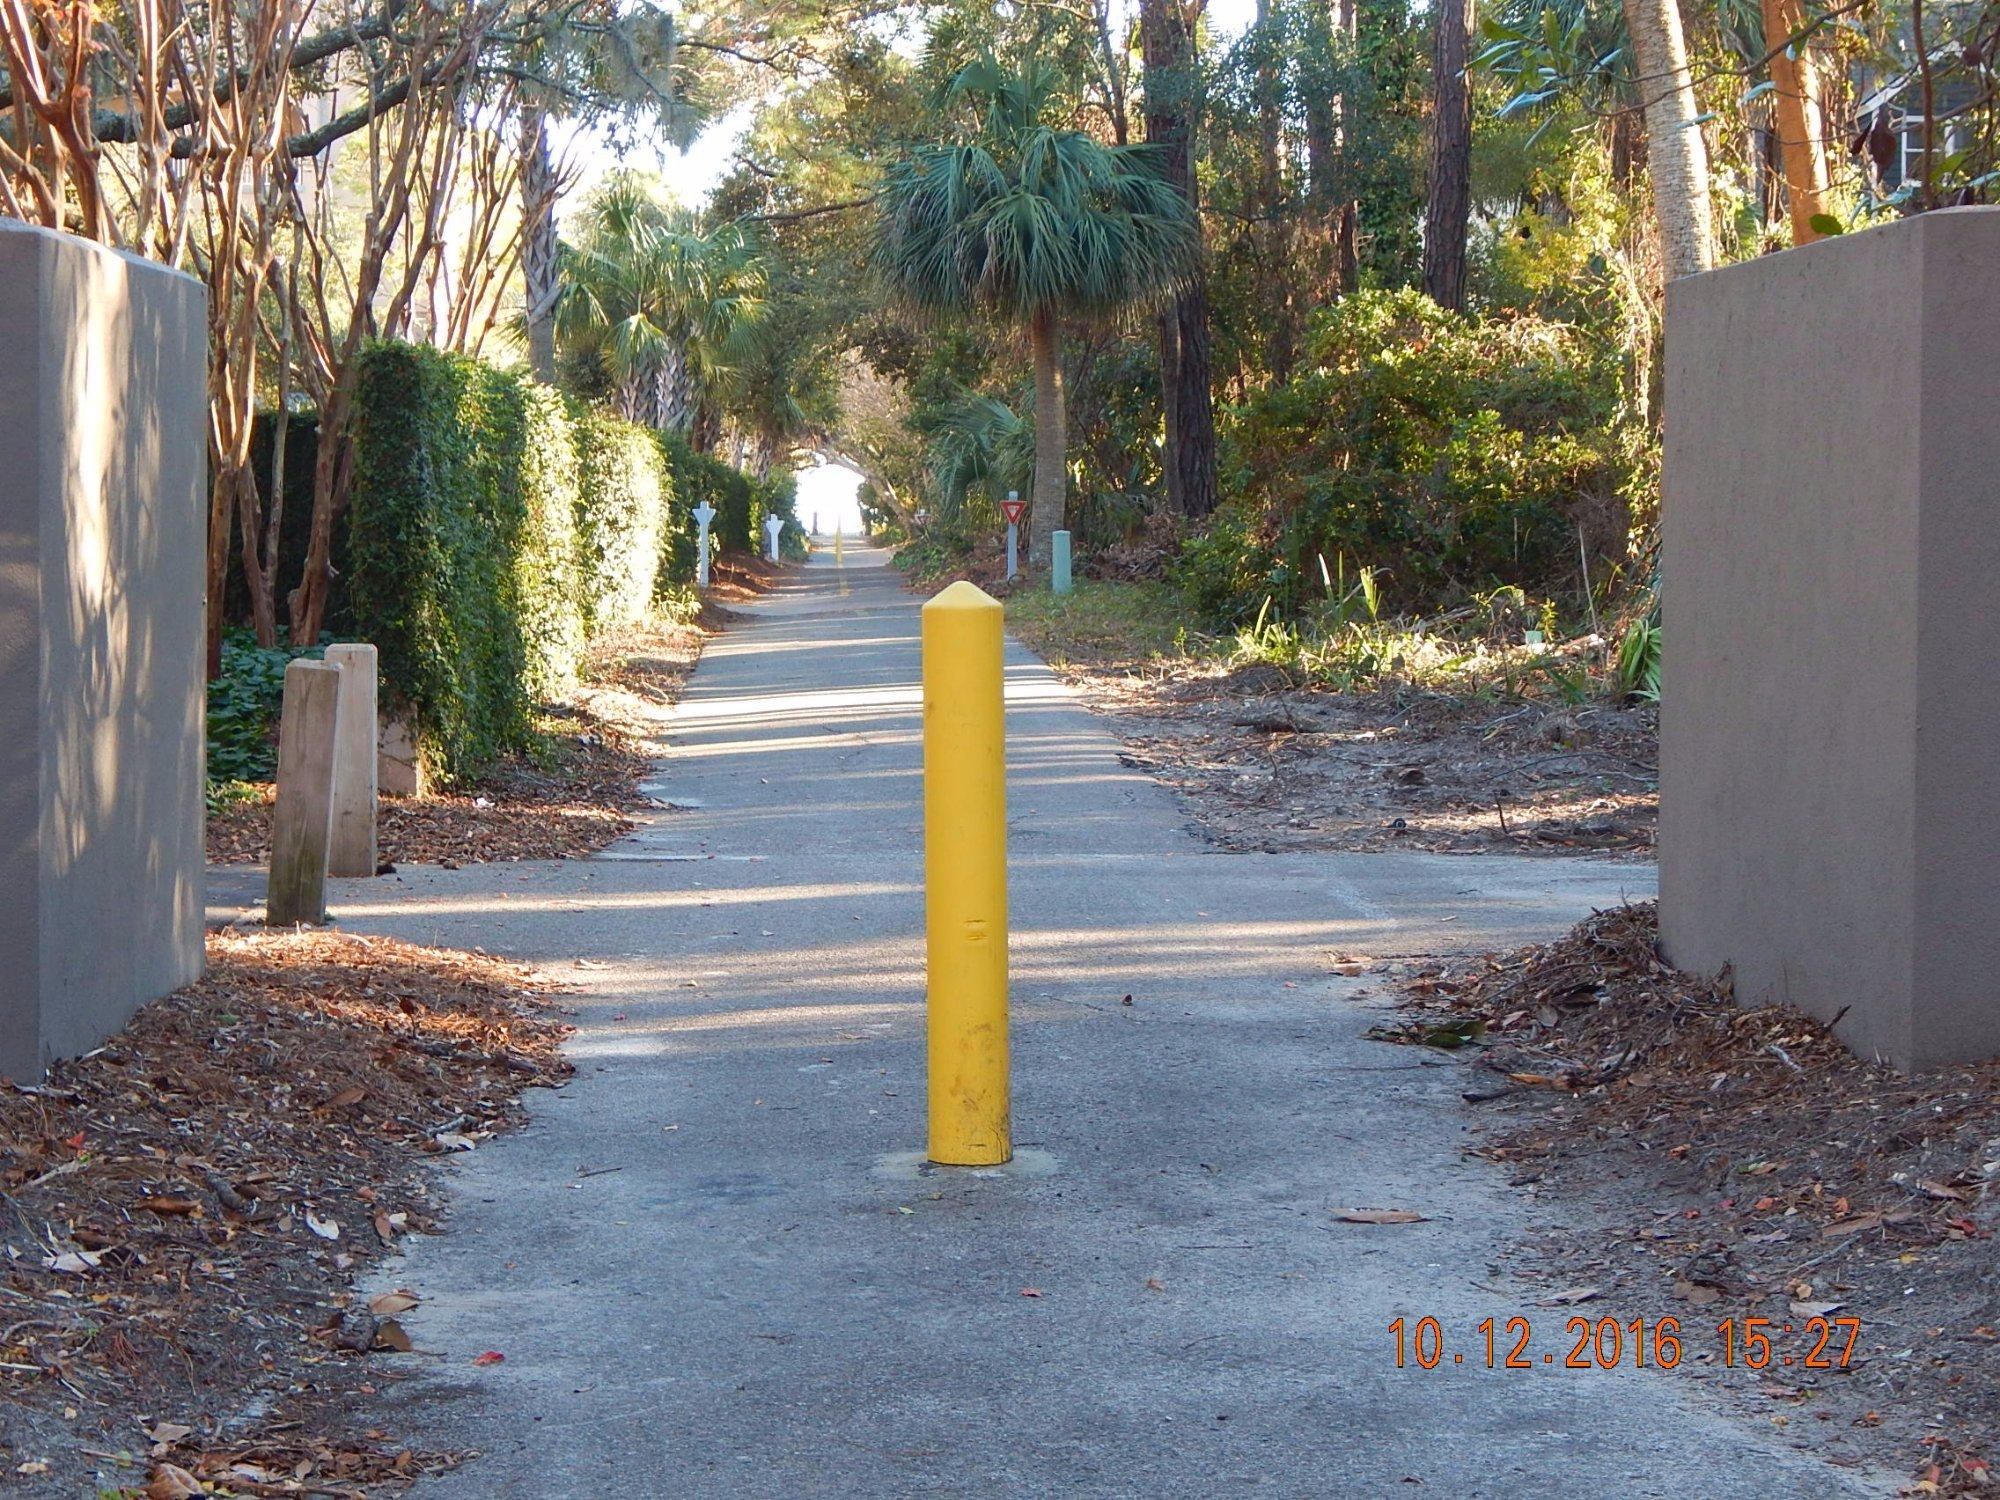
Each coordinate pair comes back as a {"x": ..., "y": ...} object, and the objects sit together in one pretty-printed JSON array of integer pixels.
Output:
[
  {"x": 302, "y": 819},
  {"x": 103, "y": 440},
  {"x": 352, "y": 851}
]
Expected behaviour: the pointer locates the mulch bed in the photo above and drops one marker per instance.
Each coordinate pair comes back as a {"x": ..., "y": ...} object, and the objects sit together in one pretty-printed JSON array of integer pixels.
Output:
[
  {"x": 187, "y": 1206},
  {"x": 572, "y": 799},
  {"x": 1269, "y": 767},
  {"x": 1744, "y": 1163}
]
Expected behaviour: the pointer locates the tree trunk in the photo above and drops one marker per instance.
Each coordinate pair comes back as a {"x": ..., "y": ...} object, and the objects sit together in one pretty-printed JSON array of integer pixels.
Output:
[
  {"x": 1167, "y": 41},
  {"x": 1332, "y": 219},
  {"x": 1674, "y": 146},
  {"x": 705, "y": 430},
  {"x": 1277, "y": 274},
  {"x": 1448, "y": 208},
  {"x": 538, "y": 243},
  {"x": 1194, "y": 406},
  {"x": 1047, "y": 514},
  {"x": 1798, "y": 120}
]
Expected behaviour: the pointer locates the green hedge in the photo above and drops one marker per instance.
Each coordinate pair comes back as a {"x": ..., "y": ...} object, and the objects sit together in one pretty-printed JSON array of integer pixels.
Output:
[
  {"x": 621, "y": 511},
  {"x": 490, "y": 525},
  {"x": 696, "y": 477}
]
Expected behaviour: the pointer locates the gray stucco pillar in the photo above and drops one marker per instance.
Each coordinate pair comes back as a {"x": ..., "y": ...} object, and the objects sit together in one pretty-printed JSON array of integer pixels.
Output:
[
  {"x": 102, "y": 469},
  {"x": 1830, "y": 818}
]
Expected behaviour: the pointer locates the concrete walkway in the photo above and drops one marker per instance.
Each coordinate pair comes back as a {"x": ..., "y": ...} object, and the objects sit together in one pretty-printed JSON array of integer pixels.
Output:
[{"x": 714, "y": 1269}]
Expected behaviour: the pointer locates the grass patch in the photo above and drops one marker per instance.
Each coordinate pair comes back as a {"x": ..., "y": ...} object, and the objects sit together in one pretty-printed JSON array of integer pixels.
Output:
[
  {"x": 1106, "y": 623},
  {"x": 1135, "y": 624}
]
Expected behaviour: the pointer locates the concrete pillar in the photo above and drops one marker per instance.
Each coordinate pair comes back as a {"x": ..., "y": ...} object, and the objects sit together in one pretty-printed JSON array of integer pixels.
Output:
[
  {"x": 103, "y": 508},
  {"x": 302, "y": 821},
  {"x": 352, "y": 851},
  {"x": 1828, "y": 826},
  {"x": 1059, "y": 580},
  {"x": 399, "y": 759}
]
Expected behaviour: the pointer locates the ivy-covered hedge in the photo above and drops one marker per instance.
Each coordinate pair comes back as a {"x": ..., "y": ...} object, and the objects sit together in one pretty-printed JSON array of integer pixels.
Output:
[
  {"x": 490, "y": 526},
  {"x": 741, "y": 503},
  {"x": 697, "y": 477},
  {"x": 621, "y": 513}
]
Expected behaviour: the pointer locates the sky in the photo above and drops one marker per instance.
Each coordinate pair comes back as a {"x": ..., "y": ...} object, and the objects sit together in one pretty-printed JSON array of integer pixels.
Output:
[{"x": 694, "y": 174}]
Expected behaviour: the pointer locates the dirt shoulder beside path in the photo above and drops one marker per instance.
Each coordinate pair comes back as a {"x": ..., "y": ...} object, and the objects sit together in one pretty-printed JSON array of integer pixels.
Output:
[
  {"x": 189, "y": 1205},
  {"x": 1265, "y": 763},
  {"x": 1728, "y": 1165}
]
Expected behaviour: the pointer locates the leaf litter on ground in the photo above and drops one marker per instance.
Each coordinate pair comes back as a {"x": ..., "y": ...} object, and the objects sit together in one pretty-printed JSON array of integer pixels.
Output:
[
  {"x": 187, "y": 1178},
  {"x": 1758, "y": 1168}
]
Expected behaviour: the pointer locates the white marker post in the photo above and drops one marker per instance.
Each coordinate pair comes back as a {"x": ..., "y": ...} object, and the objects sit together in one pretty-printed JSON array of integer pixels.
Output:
[
  {"x": 774, "y": 527},
  {"x": 703, "y": 514},
  {"x": 1011, "y": 508}
]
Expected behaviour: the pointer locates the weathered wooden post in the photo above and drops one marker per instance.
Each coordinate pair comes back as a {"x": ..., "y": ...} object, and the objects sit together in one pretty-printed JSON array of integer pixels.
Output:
[
  {"x": 352, "y": 850},
  {"x": 302, "y": 822}
]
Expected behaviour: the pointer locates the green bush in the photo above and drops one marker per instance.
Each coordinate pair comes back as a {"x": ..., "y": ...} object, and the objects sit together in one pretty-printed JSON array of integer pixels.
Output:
[
  {"x": 779, "y": 496},
  {"x": 694, "y": 478},
  {"x": 494, "y": 528},
  {"x": 1456, "y": 453},
  {"x": 462, "y": 545},
  {"x": 621, "y": 511},
  {"x": 243, "y": 705}
]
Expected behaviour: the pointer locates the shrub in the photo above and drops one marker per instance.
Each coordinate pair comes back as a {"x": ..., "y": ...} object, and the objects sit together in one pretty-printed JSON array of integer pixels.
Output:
[
  {"x": 779, "y": 496},
  {"x": 694, "y": 478},
  {"x": 462, "y": 545},
  {"x": 1456, "y": 452},
  {"x": 621, "y": 510},
  {"x": 243, "y": 705}
]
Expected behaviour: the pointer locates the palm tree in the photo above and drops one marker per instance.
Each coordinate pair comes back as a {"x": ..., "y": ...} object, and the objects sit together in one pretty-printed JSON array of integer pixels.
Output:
[
  {"x": 1033, "y": 222},
  {"x": 666, "y": 310},
  {"x": 980, "y": 442}
]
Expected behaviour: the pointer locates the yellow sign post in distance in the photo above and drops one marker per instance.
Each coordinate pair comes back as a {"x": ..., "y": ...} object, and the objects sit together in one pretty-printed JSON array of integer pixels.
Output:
[{"x": 965, "y": 879}]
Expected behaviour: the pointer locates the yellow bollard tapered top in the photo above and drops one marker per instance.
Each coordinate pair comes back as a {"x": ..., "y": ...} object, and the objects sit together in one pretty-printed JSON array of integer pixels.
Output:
[{"x": 964, "y": 594}]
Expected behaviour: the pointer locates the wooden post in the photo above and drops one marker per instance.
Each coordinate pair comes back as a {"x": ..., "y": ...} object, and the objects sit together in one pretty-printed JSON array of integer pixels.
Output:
[
  {"x": 352, "y": 851},
  {"x": 302, "y": 822}
]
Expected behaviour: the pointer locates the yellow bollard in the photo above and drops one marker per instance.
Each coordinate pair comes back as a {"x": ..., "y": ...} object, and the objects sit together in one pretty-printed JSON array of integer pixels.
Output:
[
  {"x": 965, "y": 879},
  {"x": 838, "y": 558}
]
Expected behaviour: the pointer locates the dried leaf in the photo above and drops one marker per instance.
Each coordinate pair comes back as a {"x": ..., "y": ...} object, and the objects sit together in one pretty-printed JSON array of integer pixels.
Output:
[
  {"x": 389, "y": 1335},
  {"x": 1571, "y": 1295},
  {"x": 171, "y": 1482},
  {"x": 171, "y": 1206},
  {"x": 386, "y": 1304},
  {"x": 490, "y": 1357},
  {"x": 1379, "y": 1216}
]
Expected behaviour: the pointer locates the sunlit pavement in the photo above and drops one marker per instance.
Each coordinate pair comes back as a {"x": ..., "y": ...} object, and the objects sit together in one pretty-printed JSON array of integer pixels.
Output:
[{"x": 712, "y": 1268}]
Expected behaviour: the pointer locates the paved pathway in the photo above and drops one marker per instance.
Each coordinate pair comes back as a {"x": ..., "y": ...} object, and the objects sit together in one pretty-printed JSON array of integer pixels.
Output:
[{"x": 711, "y": 1276}]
